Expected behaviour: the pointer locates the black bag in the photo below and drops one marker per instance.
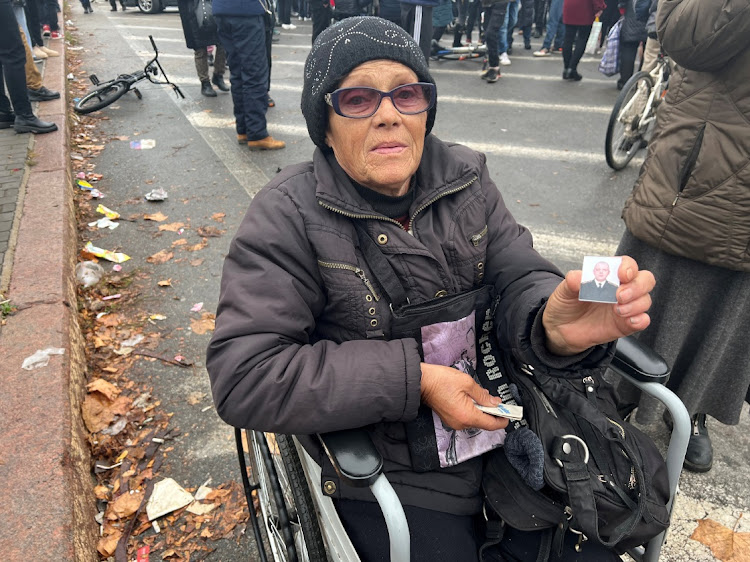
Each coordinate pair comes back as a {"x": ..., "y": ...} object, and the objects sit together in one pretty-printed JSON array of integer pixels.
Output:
[
  {"x": 602, "y": 476},
  {"x": 204, "y": 14}
]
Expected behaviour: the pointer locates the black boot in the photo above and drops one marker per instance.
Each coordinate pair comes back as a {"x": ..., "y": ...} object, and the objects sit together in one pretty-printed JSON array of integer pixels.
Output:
[
  {"x": 207, "y": 90},
  {"x": 567, "y": 74},
  {"x": 43, "y": 94},
  {"x": 700, "y": 452},
  {"x": 218, "y": 81},
  {"x": 32, "y": 124},
  {"x": 7, "y": 120},
  {"x": 574, "y": 75}
]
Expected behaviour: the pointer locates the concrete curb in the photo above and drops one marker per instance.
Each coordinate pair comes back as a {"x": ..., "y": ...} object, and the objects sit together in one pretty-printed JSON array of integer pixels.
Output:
[{"x": 44, "y": 459}]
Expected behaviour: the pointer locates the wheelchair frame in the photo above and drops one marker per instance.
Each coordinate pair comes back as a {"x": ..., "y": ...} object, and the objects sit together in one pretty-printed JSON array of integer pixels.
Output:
[{"x": 358, "y": 463}]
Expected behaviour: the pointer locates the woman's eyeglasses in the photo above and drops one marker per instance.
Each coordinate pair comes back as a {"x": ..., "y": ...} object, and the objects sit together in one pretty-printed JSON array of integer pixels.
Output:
[{"x": 358, "y": 103}]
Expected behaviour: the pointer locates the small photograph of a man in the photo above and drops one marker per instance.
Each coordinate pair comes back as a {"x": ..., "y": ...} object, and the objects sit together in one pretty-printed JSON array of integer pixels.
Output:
[{"x": 599, "y": 281}]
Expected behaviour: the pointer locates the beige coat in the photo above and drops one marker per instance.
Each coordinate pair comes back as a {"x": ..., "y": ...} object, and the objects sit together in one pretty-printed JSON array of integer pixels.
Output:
[{"x": 692, "y": 198}]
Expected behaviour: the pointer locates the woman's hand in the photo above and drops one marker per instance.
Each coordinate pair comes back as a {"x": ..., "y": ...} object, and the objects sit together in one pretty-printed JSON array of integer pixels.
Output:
[
  {"x": 452, "y": 396},
  {"x": 572, "y": 326}
]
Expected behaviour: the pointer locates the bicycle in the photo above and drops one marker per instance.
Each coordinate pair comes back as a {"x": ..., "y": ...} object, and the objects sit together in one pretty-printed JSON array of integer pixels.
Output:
[
  {"x": 633, "y": 117},
  {"x": 110, "y": 91}
]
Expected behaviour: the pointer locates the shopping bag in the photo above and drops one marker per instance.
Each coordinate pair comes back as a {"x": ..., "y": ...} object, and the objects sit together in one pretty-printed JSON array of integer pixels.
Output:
[
  {"x": 592, "y": 45},
  {"x": 610, "y": 63}
]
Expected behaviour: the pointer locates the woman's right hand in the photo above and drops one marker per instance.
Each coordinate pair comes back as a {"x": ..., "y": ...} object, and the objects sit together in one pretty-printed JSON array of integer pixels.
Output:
[{"x": 453, "y": 396}]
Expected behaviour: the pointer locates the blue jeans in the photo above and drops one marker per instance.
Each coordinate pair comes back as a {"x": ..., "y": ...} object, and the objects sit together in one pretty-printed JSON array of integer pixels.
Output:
[
  {"x": 244, "y": 39},
  {"x": 555, "y": 27},
  {"x": 505, "y": 38}
]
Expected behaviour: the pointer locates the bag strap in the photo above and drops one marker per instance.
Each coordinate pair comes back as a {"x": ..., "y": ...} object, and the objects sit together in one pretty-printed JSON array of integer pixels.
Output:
[{"x": 382, "y": 271}]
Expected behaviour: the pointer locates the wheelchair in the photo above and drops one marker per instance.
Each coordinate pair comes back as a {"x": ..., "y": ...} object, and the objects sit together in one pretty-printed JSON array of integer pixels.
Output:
[{"x": 298, "y": 521}]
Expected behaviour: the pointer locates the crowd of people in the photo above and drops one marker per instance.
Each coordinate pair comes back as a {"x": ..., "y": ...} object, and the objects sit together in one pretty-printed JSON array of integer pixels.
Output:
[{"x": 23, "y": 26}]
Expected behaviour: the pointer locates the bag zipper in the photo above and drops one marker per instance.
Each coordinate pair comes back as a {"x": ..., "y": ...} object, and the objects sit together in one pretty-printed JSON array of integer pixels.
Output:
[
  {"x": 359, "y": 272},
  {"x": 477, "y": 238}
]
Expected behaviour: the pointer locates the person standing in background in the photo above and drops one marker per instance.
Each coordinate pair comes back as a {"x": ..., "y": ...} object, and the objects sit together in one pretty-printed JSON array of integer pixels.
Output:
[
  {"x": 555, "y": 30},
  {"x": 688, "y": 218},
  {"x": 242, "y": 31},
  {"x": 412, "y": 13},
  {"x": 494, "y": 16},
  {"x": 632, "y": 34},
  {"x": 578, "y": 17},
  {"x": 199, "y": 39}
]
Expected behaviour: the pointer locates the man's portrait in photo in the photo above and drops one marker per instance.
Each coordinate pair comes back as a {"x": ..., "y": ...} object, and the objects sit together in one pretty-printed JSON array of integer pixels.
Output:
[{"x": 599, "y": 281}]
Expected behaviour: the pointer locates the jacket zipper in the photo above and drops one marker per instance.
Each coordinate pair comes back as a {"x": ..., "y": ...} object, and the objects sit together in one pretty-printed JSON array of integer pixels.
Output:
[
  {"x": 692, "y": 158},
  {"x": 440, "y": 196},
  {"x": 357, "y": 216},
  {"x": 357, "y": 270},
  {"x": 477, "y": 238}
]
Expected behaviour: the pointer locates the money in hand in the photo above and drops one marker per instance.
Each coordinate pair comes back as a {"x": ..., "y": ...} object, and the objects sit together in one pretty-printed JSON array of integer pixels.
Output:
[{"x": 508, "y": 411}]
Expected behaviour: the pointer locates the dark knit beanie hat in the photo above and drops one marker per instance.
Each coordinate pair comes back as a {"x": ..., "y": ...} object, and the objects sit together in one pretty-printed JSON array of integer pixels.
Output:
[{"x": 344, "y": 46}]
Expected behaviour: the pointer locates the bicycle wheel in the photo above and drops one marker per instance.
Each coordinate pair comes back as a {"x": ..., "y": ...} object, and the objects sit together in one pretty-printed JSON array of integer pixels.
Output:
[
  {"x": 101, "y": 97},
  {"x": 624, "y": 134},
  {"x": 289, "y": 516}
]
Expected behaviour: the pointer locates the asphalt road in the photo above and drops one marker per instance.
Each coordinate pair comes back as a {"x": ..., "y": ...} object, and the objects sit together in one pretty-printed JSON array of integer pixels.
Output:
[{"x": 544, "y": 141}]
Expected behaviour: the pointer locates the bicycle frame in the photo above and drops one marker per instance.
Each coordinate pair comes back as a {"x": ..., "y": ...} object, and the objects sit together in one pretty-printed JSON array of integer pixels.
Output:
[{"x": 658, "y": 74}]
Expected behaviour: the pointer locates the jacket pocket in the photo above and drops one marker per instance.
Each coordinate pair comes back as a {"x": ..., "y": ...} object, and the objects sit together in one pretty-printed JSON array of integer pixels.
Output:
[{"x": 692, "y": 158}]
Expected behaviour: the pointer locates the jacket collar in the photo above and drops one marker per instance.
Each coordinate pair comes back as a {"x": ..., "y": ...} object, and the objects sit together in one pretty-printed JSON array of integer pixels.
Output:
[{"x": 438, "y": 174}]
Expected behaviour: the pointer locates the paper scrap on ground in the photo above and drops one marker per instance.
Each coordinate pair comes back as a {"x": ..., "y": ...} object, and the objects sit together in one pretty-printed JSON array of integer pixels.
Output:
[
  {"x": 157, "y": 194},
  {"x": 116, "y": 257},
  {"x": 168, "y": 496},
  {"x": 41, "y": 358},
  {"x": 107, "y": 212},
  {"x": 143, "y": 144},
  {"x": 104, "y": 223}
]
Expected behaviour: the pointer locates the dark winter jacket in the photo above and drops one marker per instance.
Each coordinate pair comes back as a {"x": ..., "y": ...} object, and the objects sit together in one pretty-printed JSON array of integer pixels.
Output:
[
  {"x": 581, "y": 12},
  {"x": 301, "y": 342},
  {"x": 692, "y": 198},
  {"x": 239, "y": 7},
  {"x": 634, "y": 22},
  {"x": 195, "y": 37}
]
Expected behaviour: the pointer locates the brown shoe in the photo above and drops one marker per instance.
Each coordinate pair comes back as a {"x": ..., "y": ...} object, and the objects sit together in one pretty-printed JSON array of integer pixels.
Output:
[
  {"x": 268, "y": 143},
  {"x": 242, "y": 139}
]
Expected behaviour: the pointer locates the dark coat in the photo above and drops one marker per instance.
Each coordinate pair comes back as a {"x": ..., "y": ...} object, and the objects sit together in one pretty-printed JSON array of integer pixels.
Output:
[
  {"x": 195, "y": 38},
  {"x": 301, "y": 342},
  {"x": 634, "y": 22},
  {"x": 581, "y": 12},
  {"x": 692, "y": 196}
]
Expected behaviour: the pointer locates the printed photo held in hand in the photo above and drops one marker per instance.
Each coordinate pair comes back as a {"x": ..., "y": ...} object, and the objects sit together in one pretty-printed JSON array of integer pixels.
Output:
[{"x": 599, "y": 281}]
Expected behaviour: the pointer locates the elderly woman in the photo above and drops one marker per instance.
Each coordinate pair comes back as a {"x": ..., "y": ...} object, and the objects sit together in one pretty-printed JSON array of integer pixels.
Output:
[{"x": 302, "y": 341}]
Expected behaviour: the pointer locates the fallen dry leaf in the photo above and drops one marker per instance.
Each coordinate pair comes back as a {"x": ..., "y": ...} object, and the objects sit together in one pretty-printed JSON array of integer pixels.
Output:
[
  {"x": 107, "y": 545},
  {"x": 202, "y": 244},
  {"x": 98, "y": 411},
  {"x": 205, "y": 324},
  {"x": 180, "y": 242},
  {"x": 195, "y": 397},
  {"x": 210, "y": 231},
  {"x": 196, "y": 262},
  {"x": 172, "y": 226},
  {"x": 158, "y": 217},
  {"x": 124, "y": 505},
  {"x": 725, "y": 544},
  {"x": 165, "y": 283},
  {"x": 101, "y": 492},
  {"x": 218, "y": 217},
  {"x": 106, "y": 388},
  {"x": 161, "y": 256}
]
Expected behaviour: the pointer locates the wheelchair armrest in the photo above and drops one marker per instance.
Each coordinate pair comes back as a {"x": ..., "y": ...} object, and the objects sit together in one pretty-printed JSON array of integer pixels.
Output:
[
  {"x": 353, "y": 455},
  {"x": 639, "y": 361}
]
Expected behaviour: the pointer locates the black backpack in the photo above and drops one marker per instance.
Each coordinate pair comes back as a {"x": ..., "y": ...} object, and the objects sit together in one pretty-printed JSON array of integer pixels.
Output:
[{"x": 602, "y": 477}]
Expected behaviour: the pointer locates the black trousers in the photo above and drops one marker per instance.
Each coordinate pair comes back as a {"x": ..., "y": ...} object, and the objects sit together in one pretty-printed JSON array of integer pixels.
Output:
[
  {"x": 12, "y": 63},
  {"x": 574, "y": 44},
  {"x": 408, "y": 11},
  {"x": 437, "y": 537},
  {"x": 321, "y": 14},
  {"x": 34, "y": 25},
  {"x": 628, "y": 52},
  {"x": 48, "y": 13},
  {"x": 494, "y": 16},
  {"x": 540, "y": 14}
]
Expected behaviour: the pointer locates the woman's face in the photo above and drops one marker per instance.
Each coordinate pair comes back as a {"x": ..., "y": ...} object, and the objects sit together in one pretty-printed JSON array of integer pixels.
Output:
[{"x": 382, "y": 151}]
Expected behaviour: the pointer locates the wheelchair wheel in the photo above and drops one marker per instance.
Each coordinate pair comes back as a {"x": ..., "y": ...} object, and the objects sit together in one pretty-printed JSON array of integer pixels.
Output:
[{"x": 287, "y": 510}]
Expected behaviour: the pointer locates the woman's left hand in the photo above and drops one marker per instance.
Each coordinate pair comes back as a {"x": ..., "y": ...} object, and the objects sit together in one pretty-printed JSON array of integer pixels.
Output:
[{"x": 572, "y": 326}]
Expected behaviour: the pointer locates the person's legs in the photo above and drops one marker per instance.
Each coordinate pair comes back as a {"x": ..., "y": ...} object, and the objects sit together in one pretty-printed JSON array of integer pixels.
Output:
[
  {"x": 321, "y": 18},
  {"x": 220, "y": 60},
  {"x": 492, "y": 33},
  {"x": 32, "y": 19},
  {"x": 463, "y": 8},
  {"x": 511, "y": 19},
  {"x": 408, "y": 18},
  {"x": 628, "y": 52},
  {"x": 540, "y": 9},
  {"x": 13, "y": 60},
  {"x": 21, "y": 19},
  {"x": 553, "y": 23},
  {"x": 525, "y": 20},
  {"x": 51, "y": 11},
  {"x": 201, "y": 63},
  {"x": 581, "y": 38},
  {"x": 502, "y": 37},
  {"x": 570, "y": 34},
  {"x": 285, "y": 11},
  {"x": 434, "y": 535},
  {"x": 33, "y": 76}
]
